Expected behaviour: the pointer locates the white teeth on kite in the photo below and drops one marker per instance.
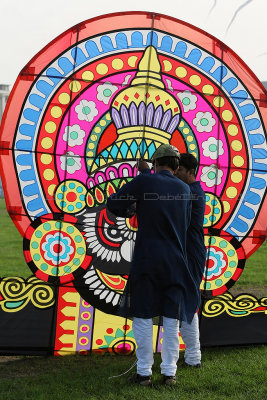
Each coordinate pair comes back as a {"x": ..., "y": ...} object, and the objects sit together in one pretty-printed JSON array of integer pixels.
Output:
[
  {"x": 90, "y": 236},
  {"x": 98, "y": 289},
  {"x": 89, "y": 224},
  {"x": 113, "y": 258},
  {"x": 91, "y": 272},
  {"x": 116, "y": 300},
  {"x": 93, "y": 244},
  {"x": 95, "y": 284},
  {"x": 109, "y": 256},
  {"x": 100, "y": 251},
  {"x": 89, "y": 231},
  {"x": 95, "y": 249},
  {"x": 87, "y": 227},
  {"x": 104, "y": 294},
  {"x": 103, "y": 256},
  {"x": 89, "y": 218},
  {"x": 89, "y": 215},
  {"x": 91, "y": 280},
  {"x": 110, "y": 297}
]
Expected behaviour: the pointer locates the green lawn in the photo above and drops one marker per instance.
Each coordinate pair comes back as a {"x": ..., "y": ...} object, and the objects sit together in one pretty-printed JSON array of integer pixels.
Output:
[
  {"x": 226, "y": 374},
  {"x": 12, "y": 263},
  {"x": 254, "y": 278}
]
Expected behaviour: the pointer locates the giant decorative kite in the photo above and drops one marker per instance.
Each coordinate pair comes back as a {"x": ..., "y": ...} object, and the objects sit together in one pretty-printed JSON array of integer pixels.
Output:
[{"x": 103, "y": 94}]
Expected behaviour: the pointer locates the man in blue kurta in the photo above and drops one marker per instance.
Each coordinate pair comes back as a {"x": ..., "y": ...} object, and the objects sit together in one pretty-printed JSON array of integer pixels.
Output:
[
  {"x": 160, "y": 282},
  {"x": 196, "y": 252}
]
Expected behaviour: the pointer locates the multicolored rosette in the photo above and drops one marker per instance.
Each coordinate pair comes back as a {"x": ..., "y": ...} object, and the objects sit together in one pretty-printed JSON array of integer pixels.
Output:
[
  {"x": 55, "y": 249},
  {"x": 225, "y": 261}
]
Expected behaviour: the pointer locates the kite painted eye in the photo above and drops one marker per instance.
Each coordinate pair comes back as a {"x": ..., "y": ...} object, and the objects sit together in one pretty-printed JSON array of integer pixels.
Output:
[{"x": 109, "y": 240}]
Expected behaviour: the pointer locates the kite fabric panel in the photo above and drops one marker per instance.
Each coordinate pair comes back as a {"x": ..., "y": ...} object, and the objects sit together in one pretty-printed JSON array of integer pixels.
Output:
[{"x": 103, "y": 94}]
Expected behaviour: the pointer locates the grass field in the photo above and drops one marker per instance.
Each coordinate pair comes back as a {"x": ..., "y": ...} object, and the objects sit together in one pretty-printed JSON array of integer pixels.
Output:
[
  {"x": 12, "y": 263},
  {"x": 227, "y": 374}
]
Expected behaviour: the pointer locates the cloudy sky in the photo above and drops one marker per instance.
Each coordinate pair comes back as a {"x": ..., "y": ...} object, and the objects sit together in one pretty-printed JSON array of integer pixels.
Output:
[{"x": 27, "y": 26}]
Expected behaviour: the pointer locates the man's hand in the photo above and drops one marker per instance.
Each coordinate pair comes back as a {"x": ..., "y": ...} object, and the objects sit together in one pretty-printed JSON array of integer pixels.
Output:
[{"x": 142, "y": 165}]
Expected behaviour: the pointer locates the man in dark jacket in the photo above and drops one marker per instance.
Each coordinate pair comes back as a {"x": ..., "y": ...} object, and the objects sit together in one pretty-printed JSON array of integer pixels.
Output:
[
  {"x": 160, "y": 282},
  {"x": 196, "y": 252}
]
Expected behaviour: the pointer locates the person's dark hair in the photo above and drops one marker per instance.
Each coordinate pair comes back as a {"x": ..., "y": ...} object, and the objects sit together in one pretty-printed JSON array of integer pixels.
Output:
[
  {"x": 188, "y": 161},
  {"x": 169, "y": 161}
]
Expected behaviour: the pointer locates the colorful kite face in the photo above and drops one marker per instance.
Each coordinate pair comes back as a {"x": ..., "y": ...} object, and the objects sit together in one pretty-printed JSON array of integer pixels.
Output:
[{"x": 102, "y": 95}]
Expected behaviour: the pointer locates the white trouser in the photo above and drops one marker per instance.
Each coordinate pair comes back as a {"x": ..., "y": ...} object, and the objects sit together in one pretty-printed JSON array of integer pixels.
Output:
[
  {"x": 190, "y": 336},
  {"x": 143, "y": 333}
]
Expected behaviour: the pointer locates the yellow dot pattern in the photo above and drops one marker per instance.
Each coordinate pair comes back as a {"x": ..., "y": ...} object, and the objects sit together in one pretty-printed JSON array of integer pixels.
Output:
[
  {"x": 236, "y": 176},
  {"x": 50, "y": 127},
  {"x": 208, "y": 90},
  {"x": 97, "y": 129},
  {"x": 132, "y": 61},
  {"x": 167, "y": 65},
  {"x": 75, "y": 86},
  {"x": 238, "y": 161},
  {"x": 47, "y": 143},
  {"x": 102, "y": 69},
  {"x": 195, "y": 80},
  {"x": 64, "y": 98},
  {"x": 87, "y": 76},
  {"x": 46, "y": 159},
  {"x": 232, "y": 130},
  {"x": 181, "y": 72},
  {"x": 117, "y": 64},
  {"x": 48, "y": 174},
  {"x": 226, "y": 206},
  {"x": 56, "y": 112},
  {"x": 218, "y": 101},
  {"x": 236, "y": 145},
  {"x": 51, "y": 189},
  {"x": 231, "y": 192},
  {"x": 227, "y": 115}
]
